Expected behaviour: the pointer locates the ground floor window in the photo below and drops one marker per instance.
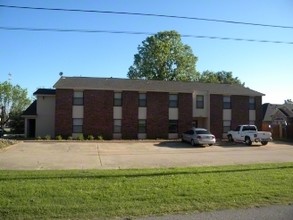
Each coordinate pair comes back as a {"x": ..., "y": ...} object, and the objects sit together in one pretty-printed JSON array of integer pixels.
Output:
[
  {"x": 117, "y": 125},
  {"x": 141, "y": 126},
  {"x": 77, "y": 125},
  {"x": 173, "y": 126},
  {"x": 226, "y": 126}
]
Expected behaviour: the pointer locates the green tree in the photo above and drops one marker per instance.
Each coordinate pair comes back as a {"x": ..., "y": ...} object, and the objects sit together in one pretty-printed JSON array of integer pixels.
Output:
[
  {"x": 163, "y": 56},
  {"x": 13, "y": 100},
  {"x": 219, "y": 77}
]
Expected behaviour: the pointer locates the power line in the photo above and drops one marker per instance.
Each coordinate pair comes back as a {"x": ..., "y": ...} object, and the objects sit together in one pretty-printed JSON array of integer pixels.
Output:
[
  {"x": 140, "y": 33},
  {"x": 149, "y": 15}
]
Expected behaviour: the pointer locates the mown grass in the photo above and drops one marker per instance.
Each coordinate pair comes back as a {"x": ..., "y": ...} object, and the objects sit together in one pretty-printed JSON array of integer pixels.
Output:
[{"x": 103, "y": 194}]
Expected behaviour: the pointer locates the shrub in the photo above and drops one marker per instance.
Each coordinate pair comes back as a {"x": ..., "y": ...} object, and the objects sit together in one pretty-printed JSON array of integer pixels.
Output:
[
  {"x": 69, "y": 138},
  {"x": 39, "y": 138},
  {"x": 58, "y": 137},
  {"x": 47, "y": 137},
  {"x": 90, "y": 137},
  {"x": 80, "y": 137},
  {"x": 100, "y": 137}
]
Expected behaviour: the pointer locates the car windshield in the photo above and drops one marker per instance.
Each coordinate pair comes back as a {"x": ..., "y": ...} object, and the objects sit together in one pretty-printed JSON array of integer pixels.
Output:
[{"x": 202, "y": 132}]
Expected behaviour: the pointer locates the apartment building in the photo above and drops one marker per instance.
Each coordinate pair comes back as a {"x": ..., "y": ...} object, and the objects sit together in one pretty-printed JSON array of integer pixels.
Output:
[{"x": 140, "y": 109}]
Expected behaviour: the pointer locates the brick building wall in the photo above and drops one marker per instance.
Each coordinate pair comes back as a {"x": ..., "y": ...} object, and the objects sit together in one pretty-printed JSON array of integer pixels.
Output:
[
  {"x": 129, "y": 115},
  {"x": 240, "y": 110},
  {"x": 216, "y": 115},
  {"x": 98, "y": 113},
  {"x": 258, "y": 112},
  {"x": 157, "y": 114},
  {"x": 63, "y": 112},
  {"x": 184, "y": 112}
]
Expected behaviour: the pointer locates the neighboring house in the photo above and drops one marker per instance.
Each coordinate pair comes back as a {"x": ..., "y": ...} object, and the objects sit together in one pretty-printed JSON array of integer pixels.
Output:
[
  {"x": 139, "y": 109},
  {"x": 40, "y": 115},
  {"x": 278, "y": 119}
]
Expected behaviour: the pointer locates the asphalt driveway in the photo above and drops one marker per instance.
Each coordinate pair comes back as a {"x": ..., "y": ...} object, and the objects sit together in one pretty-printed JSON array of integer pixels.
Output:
[{"x": 37, "y": 155}]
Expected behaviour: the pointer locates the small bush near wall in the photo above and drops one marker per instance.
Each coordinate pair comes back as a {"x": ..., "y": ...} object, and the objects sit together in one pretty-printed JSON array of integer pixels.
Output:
[
  {"x": 100, "y": 137},
  {"x": 58, "y": 137},
  {"x": 80, "y": 137},
  {"x": 47, "y": 137},
  {"x": 69, "y": 138},
  {"x": 90, "y": 137}
]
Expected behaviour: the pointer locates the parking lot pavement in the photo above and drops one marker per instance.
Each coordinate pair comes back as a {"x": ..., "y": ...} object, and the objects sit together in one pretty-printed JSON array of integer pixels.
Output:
[
  {"x": 49, "y": 155},
  {"x": 135, "y": 154}
]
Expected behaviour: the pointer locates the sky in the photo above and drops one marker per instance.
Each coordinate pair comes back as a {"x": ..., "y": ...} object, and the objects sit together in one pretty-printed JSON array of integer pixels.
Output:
[{"x": 34, "y": 59}]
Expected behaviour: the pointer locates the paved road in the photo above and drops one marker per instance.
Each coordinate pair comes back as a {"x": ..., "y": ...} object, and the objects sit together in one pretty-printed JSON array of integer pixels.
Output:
[
  {"x": 135, "y": 154},
  {"x": 277, "y": 212}
]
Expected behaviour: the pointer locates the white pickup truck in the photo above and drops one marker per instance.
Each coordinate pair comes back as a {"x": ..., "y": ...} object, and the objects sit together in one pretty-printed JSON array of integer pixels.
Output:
[{"x": 249, "y": 134}]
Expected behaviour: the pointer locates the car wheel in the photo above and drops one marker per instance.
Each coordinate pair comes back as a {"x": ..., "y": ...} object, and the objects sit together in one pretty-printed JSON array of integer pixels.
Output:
[
  {"x": 230, "y": 139},
  {"x": 192, "y": 142},
  {"x": 248, "y": 141},
  {"x": 264, "y": 142}
]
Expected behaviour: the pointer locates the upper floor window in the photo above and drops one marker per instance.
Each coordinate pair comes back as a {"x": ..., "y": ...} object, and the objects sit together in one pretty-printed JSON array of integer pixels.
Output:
[
  {"x": 78, "y": 98},
  {"x": 199, "y": 101},
  {"x": 227, "y": 102},
  {"x": 117, "y": 99},
  {"x": 142, "y": 100},
  {"x": 251, "y": 103},
  {"x": 173, "y": 100}
]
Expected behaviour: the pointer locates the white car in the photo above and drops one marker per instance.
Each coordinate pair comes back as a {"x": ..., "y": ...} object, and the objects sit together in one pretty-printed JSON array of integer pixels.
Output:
[{"x": 198, "y": 136}]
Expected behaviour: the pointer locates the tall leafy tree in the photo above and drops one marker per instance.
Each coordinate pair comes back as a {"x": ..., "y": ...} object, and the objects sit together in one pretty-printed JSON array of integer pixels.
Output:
[
  {"x": 219, "y": 77},
  {"x": 13, "y": 100},
  {"x": 163, "y": 56}
]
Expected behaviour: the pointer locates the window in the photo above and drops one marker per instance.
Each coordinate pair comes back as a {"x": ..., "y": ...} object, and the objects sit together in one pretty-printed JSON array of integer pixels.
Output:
[
  {"x": 142, "y": 100},
  {"x": 117, "y": 99},
  {"x": 199, "y": 101},
  {"x": 117, "y": 125},
  {"x": 77, "y": 125},
  {"x": 141, "y": 126},
  {"x": 173, "y": 100},
  {"x": 227, "y": 102},
  {"x": 226, "y": 126},
  {"x": 78, "y": 98},
  {"x": 251, "y": 103},
  {"x": 173, "y": 126}
]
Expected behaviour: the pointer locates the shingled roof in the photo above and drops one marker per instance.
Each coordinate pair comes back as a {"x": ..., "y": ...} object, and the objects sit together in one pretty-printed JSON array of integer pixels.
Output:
[
  {"x": 82, "y": 83},
  {"x": 31, "y": 110},
  {"x": 45, "y": 92}
]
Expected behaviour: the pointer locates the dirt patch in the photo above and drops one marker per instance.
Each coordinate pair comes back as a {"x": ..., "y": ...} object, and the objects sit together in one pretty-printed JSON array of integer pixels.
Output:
[{"x": 6, "y": 142}]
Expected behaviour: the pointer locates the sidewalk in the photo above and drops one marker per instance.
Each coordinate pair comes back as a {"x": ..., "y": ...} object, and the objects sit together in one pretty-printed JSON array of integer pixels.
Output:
[{"x": 275, "y": 212}]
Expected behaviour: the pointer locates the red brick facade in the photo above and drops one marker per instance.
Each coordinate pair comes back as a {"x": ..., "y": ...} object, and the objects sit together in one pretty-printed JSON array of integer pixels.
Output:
[
  {"x": 63, "y": 112},
  {"x": 184, "y": 112},
  {"x": 98, "y": 113},
  {"x": 129, "y": 115},
  {"x": 157, "y": 114},
  {"x": 240, "y": 110}
]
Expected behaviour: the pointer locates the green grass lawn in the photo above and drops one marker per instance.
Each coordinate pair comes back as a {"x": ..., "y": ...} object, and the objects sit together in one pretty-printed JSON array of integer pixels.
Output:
[{"x": 86, "y": 194}]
